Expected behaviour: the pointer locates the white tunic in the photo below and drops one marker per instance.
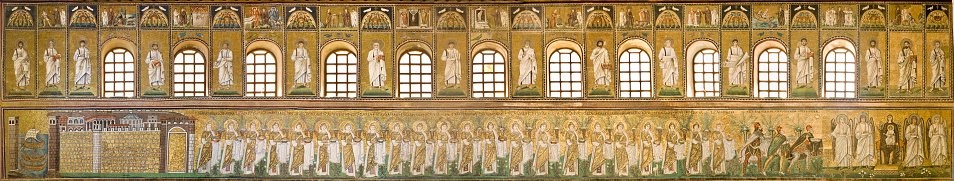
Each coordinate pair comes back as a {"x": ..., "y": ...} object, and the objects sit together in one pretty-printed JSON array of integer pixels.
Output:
[
  {"x": 451, "y": 58},
  {"x": 908, "y": 73},
  {"x": 864, "y": 148},
  {"x": 52, "y": 66},
  {"x": 302, "y": 66},
  {"x": 875, "y": 67},
  {"x": 600, "y": 59},
  {"x": 21, "y": 67},
  {"x": 806, "y": 71},
  {"x": 83, "y": 74},
  {"x": 376, "y": 71},
  {"x": 914, "y": 151},
  {"x": 737, "y": 64},
  {"x": 937, "y": 68},
  {"x": 224, "y": 64},
  {"x": 667, "y": 59},
  {"x": 155, "y": 63},
  {"x": 938, "y": 145},
  {"x": 528, "y": 66}
]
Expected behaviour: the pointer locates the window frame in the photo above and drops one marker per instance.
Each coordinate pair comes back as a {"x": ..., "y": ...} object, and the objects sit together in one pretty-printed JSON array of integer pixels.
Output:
[
  {"x": 550, "y": 79},
  {"x": 474, "y": 74},
  {"x": 424, "y": 83},
  {"x": 326, "y": 83},
  {"x": 131, "y": 70},
  {"x": 850, "y": 81},
  {"x": 716, "y": 77},
  {"x": 649, "y": 80},
  {"x": 205, "y": 72},
  {"x": 782, "y": 91},
  {"x": 278, "y": 84}
]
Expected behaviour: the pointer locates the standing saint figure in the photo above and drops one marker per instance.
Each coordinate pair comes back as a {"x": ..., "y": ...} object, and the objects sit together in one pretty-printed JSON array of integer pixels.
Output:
[
  {"x": 326, "y": 143},
  {"x": 601, "y": 64},
  {"x": 668, "y": 59},
  {"x": 375, "y": 151},
  {"x": 346, "y": 140},
  {"x": 396, "y": 142},
  {"x": 376, "y": 71},
  {"x": 83, "y": 69},
  {"x": 419, "y": 139},
  {"x": 442, "y": 145},
  {"x": 252, "y": 140},
  {"x": 156, "y": 74},
  {"x": 516, "y": 138},
  {"x": 206, "y": 160},
  {"x": 277, "y": 145},
  {"x": 52, "y": 59},
  {"x": 232, "y": 148},
  {"x": 938, "y": 145},
  {"x": 597, "y": 156},
  {"x": 469, "y": 149},
  {"x": 541, "y": 163},
  {"x": 670, "y": 156},
  {"x": 937, "y": 67},
  {"x": 914, "y": 143},
  {"x": 451, "y": 58},
  {"x": 718, "y": 150},
  {"x": 575, "y": 147},
  {"x": 224, "y": 64},
  {"x": 907, "y": 63},
  {"x": 738, "y": 64},
  {"x": 21, "y": 66},
  {"x": 647, "y": 140},
  {"x": 864, "y": 145},
  {"x": 694, "y": 164},
  {"x": 528, "y": 65},
  {"x": 622, "y": 153},
  {"x": 302, "y": 151},
  {"x": 804, "y": 59},
  {"x": 875, "y": 67},
  {"x": 302, "y": 65},
  {"x": 490, "y": 138},
  {"x": 841, "y": 135}
]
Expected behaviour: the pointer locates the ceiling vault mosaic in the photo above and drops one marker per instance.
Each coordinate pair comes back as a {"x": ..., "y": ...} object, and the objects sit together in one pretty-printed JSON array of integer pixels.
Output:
[{"x": 522, "y": 89}]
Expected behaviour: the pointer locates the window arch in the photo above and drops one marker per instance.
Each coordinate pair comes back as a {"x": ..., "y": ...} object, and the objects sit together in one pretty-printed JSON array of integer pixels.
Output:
[
  {"x": 840, "y": 72},
  {"x": 488, "y": 79},
  {"x": 565, "y": 74},
  {"x": 119, "y": 73},
  {"x": 340, "y": 70},
  {"x": 635, "y": 69},
  {"x": 771, "y": 74},
  {"x": 414, "y": 74},
  {"x": 263, "y": 70},
  {"x": 704, "y": 78},
  {"x": 489, "y": 70},
  {"x": 189, "y": 73}
]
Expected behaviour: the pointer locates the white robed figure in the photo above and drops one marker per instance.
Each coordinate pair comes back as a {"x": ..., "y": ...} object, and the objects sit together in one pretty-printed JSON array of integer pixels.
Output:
[
  {"x": 738, "y": 64},
  {"x": 155, "y": 63},
  {"x": 601, "y": 64},
  {"x": 907, "y": 64},
  {"x": 875, "y": 67},
  {"x": 374, "y": 142},
  {"x": 842, "y": 135},
  {"x": 354, "y": 19},
  {"x": 224, "y": 64},
  {"x": 864, "y": 146},
  {"x": 528, "y": 65},
  {"x": 938, "y": 79},
  {"x": 667, "y": 62},
  {"x": 451, "y": 58},
  {"x": 21, "y": 66},
  {"x": 82, "y": 69},
  {"x": 376, "y": 71},
  {"x": 302, "y": 64},
  {"x": 914, "y": 144},
  {"x": 938, "y": 144},
  {"x": 227, "y": 165},
  {"x": 52, "y": 59},
  {"x": 804, "y": 59}
]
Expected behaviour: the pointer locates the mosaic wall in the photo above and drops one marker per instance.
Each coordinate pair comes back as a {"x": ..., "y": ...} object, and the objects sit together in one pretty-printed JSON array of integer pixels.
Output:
[
  {"x": 830, "y": 143},
  {"x": 58, "y": 51},
  {"x": 803, "y": 90}
]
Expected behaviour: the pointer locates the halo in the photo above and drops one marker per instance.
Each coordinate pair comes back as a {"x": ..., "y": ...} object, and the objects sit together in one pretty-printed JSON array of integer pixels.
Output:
[
  {"x": 368, "y": 124},
  {"x": 229, "y": 122},
  {"x": 345, "y": 124},
  {"x": 19, "y": 41},
  {"x": 250, "y": 122},
  {"x": 274, "y": 122},
  {"x": 622, "y": 121},
  {"x": 648, "y": 123},
  {"x": 51, "y": 39},
  {"x": 936, "y": 41},
  {"x": 379, "y": 42},
  {"x": 670, "y": 39},
  {"x": 464, "y": 124},
  {"x": 937, "y": 116},
  {"x": 594, "y": 122},
  {"x": 541, "y": 122},
  {"x": 528, "y": 40},
  {"x": 490, "y": 123},
  {"x": 302, "y": 123},
  {"x": 874, "y": 41},
  {"x": 223, "y": 42},
  {"x": 302, "y": 41},
  {"x": 568, "y": 121},
  {"x": 515, "y": 121},
  {"x": 905, "y": 41},
  {"x": 419, "y": 123},
  {"x": 154, "y": 43},
  {"x": 442, "y": 123},
  {"x": 395, "y": 123},
  {"x": 323, "y": 122},
  {"x": 209, "y": 123},
  {"x": 452, "y": 41},
  {"x": 82, "y": 40}
]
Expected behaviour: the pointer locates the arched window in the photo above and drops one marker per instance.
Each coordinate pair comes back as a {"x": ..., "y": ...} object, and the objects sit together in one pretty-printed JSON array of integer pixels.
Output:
[
  {"x": 772, "y": 74},
  {"x": 118, "y": 74},
  {"x": 705, "y": 69},
  {"x": 341, "y": 74},
  {"x": 488, "y": 78},
  {"x": 635, "y": 76},
  {"x": 188, "y": 73},
  {"x": 566, "y": 74},
  {"x": 839, "y": 73},
  {"x": 414, "y": 75},
  {"x": 261, "y": 74}
]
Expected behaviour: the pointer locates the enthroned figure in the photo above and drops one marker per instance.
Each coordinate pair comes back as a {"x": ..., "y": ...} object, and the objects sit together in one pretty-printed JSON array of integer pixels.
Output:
[{"x": 889, "y": 142}]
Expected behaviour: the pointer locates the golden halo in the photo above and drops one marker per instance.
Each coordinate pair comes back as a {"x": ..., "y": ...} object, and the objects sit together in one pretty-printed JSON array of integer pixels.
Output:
[
  {"x": 399, "y": 124},
  {"x": 323, "y": 122},
  {"x": 368, "y": 124},
  {"x": 274, "y": 122},
  {"x": 250, "y": 122},
  {"x": 517, "y": 122},
  {"x": 419, "y": 123},
  {"x": 344, "y": 125},
  {"x": 230, "y": 122}
]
